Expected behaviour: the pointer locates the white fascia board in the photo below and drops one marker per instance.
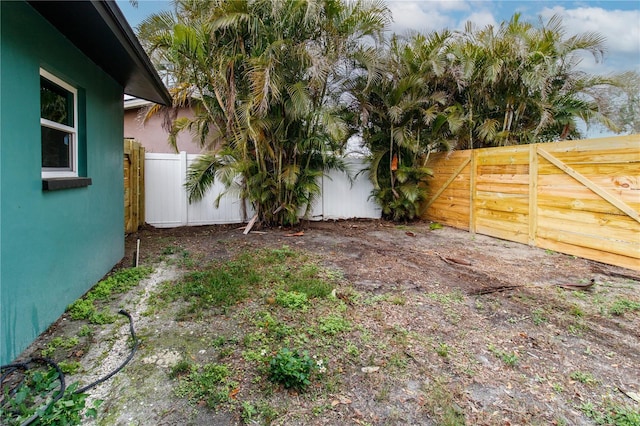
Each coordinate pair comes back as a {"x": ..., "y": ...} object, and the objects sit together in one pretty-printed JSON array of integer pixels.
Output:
[{"x": 132, "y": 103}]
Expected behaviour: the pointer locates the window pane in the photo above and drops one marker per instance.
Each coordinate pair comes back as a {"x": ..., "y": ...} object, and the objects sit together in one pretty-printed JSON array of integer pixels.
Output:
[
  {"x": 55, "y": 148},
  {"x": 56, "y": 103}
]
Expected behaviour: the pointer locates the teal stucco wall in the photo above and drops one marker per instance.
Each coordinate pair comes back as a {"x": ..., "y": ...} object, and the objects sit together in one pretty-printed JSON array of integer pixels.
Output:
[{"x": 55, "y": 245}]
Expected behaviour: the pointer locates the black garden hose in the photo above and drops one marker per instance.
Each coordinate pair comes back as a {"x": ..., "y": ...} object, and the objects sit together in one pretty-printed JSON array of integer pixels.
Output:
[
  {"x": 24, "y": 366},
  {"x": 7, "y": 370}
]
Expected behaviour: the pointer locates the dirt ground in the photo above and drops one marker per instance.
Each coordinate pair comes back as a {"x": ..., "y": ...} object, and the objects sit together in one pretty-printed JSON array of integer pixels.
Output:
[{"x": 449, "y": 328}]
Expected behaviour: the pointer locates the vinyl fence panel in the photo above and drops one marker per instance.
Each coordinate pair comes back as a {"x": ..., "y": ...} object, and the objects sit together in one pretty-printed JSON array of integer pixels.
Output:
[
  {"x": 167, "y": 203},
  {"x": 165, "y": 197},
  {"x": 343, "y": 198},
  {"x": 205, "y": 212}
]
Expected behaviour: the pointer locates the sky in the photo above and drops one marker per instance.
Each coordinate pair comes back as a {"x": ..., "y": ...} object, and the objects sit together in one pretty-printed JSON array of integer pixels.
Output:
[{"x": 618, "y": 21}]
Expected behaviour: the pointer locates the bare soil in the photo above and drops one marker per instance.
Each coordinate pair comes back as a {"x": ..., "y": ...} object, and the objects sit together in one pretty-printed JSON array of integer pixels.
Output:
[{"x": 458, "y": 328}]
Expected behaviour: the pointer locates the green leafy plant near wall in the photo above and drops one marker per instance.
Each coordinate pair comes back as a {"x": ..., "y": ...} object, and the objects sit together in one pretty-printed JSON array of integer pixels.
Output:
[
  {"x": 33, "y": 402},
  {"x": 118, "y": 283}
]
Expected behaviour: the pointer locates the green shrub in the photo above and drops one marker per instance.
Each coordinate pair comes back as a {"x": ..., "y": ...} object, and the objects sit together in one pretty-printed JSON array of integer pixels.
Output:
[{"x": 291, "y": 369}]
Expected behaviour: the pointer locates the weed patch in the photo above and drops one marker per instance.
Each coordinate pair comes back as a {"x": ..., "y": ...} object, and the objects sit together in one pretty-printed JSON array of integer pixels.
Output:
[
  {"x": 292, "y": 300},
  {"x": 34, "y": 396},
  {"x": 582, "y": 377},
  {"x": 611, "y": 414},
  {"x": 622, "y": 306},
  {"x": 209, "y": 383},
  {"x": 447, "y": 298},
  {"x": 290, "y": 274},
  {"x": 443, "y": 350},
  {"x": 118, "y": 283},
  {"x": 440, "y": 404},
  {"x": 58, "y": 342},
  {"x": 333, "y": 324},
  {"x": 509, "y": 358},
  {"x": 539, "y": 316}
]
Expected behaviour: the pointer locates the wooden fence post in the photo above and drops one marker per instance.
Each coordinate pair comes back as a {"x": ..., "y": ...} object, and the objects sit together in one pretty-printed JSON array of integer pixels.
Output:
[
  {"x": 533, "y": 194},
  {"x": 133, "y": 185},
  {"x": 472, "y": 190}
]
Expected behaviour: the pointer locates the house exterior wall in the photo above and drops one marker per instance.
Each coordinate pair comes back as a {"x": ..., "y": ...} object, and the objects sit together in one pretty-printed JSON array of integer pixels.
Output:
[
  {"x": 151, "y": 134},
  {"x": 54, "y": 245}
]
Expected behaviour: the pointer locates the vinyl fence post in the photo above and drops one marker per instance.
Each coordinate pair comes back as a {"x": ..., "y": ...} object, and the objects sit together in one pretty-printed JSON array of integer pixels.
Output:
[{"x": 184, "y": 208}]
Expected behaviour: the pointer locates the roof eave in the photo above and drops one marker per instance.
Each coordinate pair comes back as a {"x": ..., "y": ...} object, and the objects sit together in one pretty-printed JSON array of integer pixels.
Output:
[
  {"x": 137, "y": 51},
  {"x": 99, "y": 29}
]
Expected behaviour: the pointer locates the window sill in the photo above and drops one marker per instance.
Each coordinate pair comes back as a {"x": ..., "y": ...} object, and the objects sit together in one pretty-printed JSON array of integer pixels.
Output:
[{"x": 53, "y": 184}]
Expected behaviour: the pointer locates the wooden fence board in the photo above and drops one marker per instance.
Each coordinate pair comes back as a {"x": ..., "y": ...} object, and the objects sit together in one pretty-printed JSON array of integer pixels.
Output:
[
  {"x": 451, "y": 208},
  {"x": 592, "y": 242},
  {"x": 596, "y": 205},
  {"x": 510, "y": 159},
  {"x": 519, "y": 234},
  {"x": 599, "y": 157},
  {"x": 503, "y": 202},
  {"x": 503, "y": 179},
  {"x": 504, "y": 169},
  {"x": 585, "y": 194},
  {"x": 576, "y": 197},
  {"x": 447, "y": 216},
  {"x": 504, "y": 188},
  {"x": 588, "y": 224},
  {"x": 610, "y": 170},
  {"x": 602, "y": 192},
  {"x": 133, "y": 185},
  {"x": 587, "y": 253},
  {"x": 609, "y": 143}
]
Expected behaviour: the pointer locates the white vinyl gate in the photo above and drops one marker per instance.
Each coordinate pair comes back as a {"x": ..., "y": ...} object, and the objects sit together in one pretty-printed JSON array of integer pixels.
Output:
[{"x": 167, "y": 206}]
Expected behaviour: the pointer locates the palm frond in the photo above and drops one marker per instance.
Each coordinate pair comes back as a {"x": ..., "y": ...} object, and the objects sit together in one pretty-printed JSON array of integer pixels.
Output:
[{"x": 200, "y": 176}]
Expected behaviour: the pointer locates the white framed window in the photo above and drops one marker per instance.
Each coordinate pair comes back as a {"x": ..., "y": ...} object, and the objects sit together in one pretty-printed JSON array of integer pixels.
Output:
[{"x": 59, "y": 126}]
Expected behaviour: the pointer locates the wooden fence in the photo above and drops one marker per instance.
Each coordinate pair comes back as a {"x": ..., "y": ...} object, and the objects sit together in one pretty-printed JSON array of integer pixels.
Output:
[
  {"x": 575, "y": 197},
  {"x": 133, "y": 185}
]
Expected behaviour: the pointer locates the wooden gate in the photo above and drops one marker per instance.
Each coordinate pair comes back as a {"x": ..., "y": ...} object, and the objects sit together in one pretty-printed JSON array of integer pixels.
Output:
[
  {"x": 575, "y": 197},
  {"x": 133, "y": 185}
]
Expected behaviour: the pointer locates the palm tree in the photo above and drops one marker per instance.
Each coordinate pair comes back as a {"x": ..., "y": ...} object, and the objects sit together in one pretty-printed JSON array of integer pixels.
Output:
[
  {"x": 620, "y": 101},
  {"x": 267, "y": 77},
  {"x": 519, "y": 83},
  {"x": 404, "y": 118}
]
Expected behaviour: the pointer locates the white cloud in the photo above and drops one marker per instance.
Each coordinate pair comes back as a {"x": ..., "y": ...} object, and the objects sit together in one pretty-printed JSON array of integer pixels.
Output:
[
  {"x": 450, "y": 5},
  {"x": 418, "y": 16},
  {"x": 480, "y": 19},
  {"x": 620, "y": 28}
]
